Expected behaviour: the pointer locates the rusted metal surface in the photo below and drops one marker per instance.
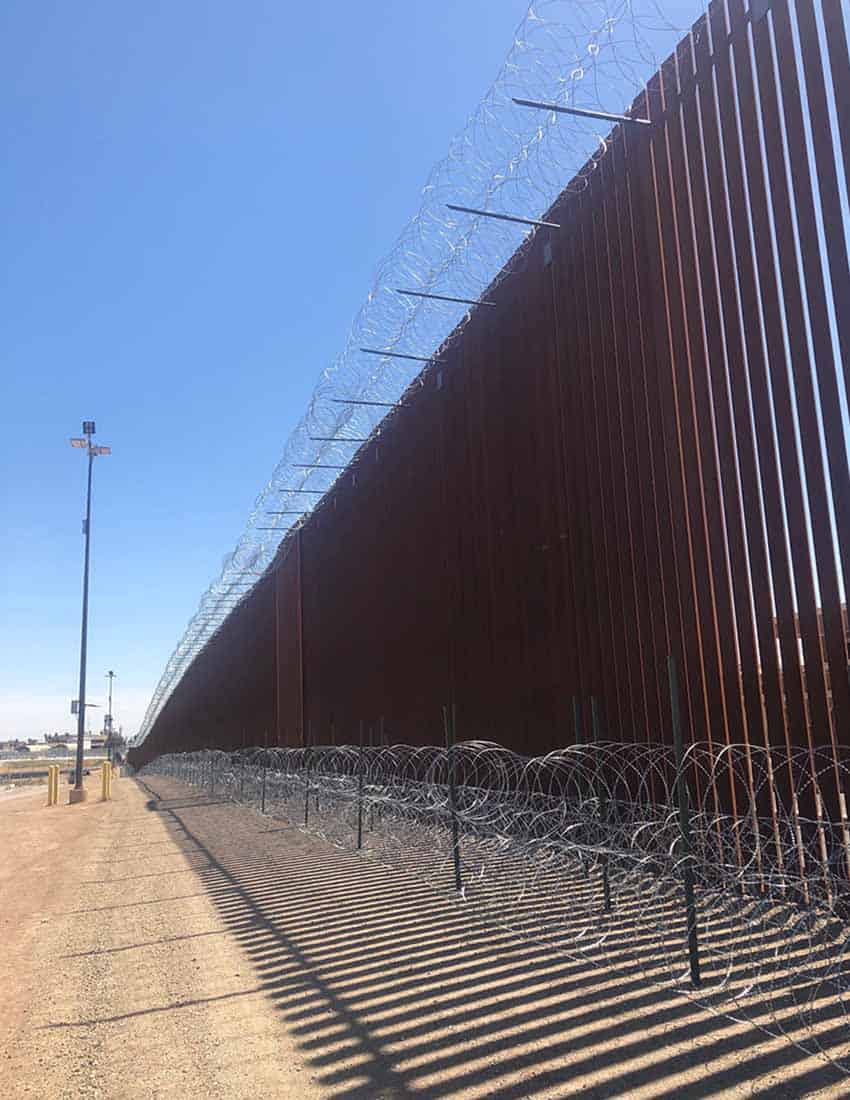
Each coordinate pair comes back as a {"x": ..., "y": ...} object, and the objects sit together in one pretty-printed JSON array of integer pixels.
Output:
[{"x": 639, "y": 450}]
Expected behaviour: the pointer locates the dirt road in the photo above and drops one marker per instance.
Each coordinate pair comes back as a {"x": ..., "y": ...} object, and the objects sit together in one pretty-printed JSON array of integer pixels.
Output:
[
  {"x": 170, "y": 944},
  {"x": 120, "y": 978}
]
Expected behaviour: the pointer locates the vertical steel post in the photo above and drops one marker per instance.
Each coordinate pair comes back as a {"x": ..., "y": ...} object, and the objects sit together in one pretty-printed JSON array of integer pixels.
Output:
[
  {"x": 265, "y": 768},
  {"x": 602, "y": 801},
  {"x": 81, "y": 701},
  {"x": 450, "y": 725},
  {"x": 577, "y": 740},
  {"x": 310, "y": 742},
  {"x": 306, "y": 784},
  {"x": 684, "y": 821},
  {"x": 360, "y": 790}
]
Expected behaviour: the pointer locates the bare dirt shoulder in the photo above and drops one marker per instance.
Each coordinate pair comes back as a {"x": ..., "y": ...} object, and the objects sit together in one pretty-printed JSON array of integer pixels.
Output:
[
  {"x": 171, "y": 943},
  {"x": 120, "y": 978}
]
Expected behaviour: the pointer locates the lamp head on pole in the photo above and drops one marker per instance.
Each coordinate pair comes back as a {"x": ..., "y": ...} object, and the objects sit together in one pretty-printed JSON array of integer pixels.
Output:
[{"x": 85, "y": 444}]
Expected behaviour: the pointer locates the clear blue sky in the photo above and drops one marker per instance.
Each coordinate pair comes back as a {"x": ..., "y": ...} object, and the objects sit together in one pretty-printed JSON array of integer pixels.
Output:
[{"x": 194, "y": 198}]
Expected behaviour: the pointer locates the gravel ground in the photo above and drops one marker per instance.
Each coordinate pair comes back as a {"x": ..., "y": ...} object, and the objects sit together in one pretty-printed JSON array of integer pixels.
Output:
[
  {"x": 122, "y": 979},
  {"x": 169, "y": 944}
]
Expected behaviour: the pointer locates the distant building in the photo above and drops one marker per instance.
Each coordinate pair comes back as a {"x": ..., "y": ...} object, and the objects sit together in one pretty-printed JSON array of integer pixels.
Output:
[{"x": 13, "y": 747}]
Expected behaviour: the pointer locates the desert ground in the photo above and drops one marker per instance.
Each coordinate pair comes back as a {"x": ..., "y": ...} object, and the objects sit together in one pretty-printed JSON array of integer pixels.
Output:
[{"x": 169, "y": 943}]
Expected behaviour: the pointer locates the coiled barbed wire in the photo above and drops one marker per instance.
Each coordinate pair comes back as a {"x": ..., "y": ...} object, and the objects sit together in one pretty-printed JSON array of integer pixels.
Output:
[
  {"x": 584, "y": 850},
  {"x": 508, "y": 159}
]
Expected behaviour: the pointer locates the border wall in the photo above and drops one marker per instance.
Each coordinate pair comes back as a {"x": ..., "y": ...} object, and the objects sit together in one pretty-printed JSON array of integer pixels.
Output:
[{"x": 637, "y": 451}]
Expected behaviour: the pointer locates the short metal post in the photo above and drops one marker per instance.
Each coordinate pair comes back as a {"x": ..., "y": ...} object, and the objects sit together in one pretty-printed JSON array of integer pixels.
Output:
[
  {"x": 596, "y": 726},
  {"x": 684, "y": 822},
  {"x": 212, "y": 775},
  {"x": 306, "y": 785},
  {"x": 310, "y": 741},
  {"x": 263, "y": 790},
  {"x": 577, "y": 740},
  {"x": 360, "y": 770},
  {"x": 450, "y": 725}
]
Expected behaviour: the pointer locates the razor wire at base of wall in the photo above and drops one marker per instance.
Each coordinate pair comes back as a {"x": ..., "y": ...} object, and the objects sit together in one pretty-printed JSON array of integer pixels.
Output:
[{"x": 588, "y": 851}]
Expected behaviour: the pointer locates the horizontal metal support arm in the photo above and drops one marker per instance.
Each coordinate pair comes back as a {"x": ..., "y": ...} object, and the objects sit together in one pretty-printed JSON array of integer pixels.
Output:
[
  {"x": 444, "y": 297},
  {"x": 338, "y": 439},
  {"x": 398, "y": 355},
  {"x": 357, "y": 401},
  {"x": 503, "y": 217},
  {"x": 582, "y": 112}
]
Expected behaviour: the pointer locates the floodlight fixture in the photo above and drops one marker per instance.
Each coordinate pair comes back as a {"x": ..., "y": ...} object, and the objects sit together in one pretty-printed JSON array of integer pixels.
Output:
[{"x": 79, "y": 443}]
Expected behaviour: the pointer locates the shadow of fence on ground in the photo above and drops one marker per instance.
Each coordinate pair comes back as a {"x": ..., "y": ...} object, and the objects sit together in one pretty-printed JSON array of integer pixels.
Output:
[{"x": 393, "y": 989}]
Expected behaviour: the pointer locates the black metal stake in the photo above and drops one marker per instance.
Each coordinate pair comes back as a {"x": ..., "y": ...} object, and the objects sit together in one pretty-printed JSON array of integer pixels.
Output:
[
  {"x": 263, "y": 796},
  {"x": 360, "y": 791},
  {"x": 306, "y": 784},
  {"x": 451, "y": 731},
  {"x": 371, "y": 804},
  {"x": 596, "y": 726},
  {"x": 684, "y": 822},
  {"x": 577, "y": 736}
]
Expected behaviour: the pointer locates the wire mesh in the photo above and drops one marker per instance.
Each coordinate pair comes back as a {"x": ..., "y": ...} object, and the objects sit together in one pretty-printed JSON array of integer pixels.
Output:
[{"x": 583, "y": 849}]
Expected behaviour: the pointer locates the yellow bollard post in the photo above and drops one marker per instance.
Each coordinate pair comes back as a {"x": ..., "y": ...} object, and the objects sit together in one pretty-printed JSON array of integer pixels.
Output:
[
  {"x": 104, "y": 781},
  {"x": 56, "y": 774},
  {"x": 51, "y": 799}
]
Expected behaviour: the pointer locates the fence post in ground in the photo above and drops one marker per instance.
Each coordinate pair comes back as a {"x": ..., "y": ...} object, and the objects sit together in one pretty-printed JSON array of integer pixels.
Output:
[
  {"x": 578, "y": 734},
  {"x": 104, "y": 781},
  {"x": 212, "y": 775},
  {"x": 450, "y": 725},
  {"x": 52, "y": 784},
  {"x": 306, "y": 784},
  {"x": 684, "y": 822},
  {"x": 602, "y": 801},
  {"x": 360, "y": 770},
  {"x": 263, "y": 787},
  {"x": 310, "y": 741}
]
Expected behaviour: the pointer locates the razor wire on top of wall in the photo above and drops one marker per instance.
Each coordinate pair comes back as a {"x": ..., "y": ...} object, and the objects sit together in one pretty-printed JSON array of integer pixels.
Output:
[
  {"x": 509, "y": 159},
  {"x": 707, "y": 877}
]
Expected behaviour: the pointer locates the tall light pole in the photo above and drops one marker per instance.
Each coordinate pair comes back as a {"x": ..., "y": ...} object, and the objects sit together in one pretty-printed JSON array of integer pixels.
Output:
[
  {"x": 78, "y": 793},
  {"x": 108, "y": 723}
]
